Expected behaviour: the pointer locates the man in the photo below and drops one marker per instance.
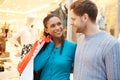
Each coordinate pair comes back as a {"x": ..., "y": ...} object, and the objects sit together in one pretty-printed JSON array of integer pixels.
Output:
[
  {"x": 27, "y": 35},
  {"x": 98, "y": 55}
]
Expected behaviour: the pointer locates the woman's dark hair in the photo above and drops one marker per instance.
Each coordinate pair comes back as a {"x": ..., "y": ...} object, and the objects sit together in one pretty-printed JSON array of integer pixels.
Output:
[
  {"x": 85, "y": 6},
  {"x": 45, "y": 21}
]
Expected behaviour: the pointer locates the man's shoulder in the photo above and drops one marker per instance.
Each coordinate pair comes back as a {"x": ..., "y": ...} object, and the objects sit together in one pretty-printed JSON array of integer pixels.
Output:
[{"x": 109, "y": 41}]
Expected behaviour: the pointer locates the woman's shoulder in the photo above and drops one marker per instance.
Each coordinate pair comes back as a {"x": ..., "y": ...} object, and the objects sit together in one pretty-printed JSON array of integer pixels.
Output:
[
  {"x": 69, "y": 48},
  {"x": 68, "y": 43},
  {"x": 51, "y": 44}
]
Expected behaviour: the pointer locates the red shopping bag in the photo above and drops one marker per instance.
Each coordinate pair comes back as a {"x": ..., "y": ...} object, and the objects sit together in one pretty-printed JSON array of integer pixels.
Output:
[{"x": 22, "y": 64}]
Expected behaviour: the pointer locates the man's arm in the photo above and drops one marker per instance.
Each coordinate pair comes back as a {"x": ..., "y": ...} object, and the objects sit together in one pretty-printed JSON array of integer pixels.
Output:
[{"x": 112, "y": 62}]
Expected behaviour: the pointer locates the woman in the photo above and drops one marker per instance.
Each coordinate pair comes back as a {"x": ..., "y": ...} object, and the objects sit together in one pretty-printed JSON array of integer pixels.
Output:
[{"x": 56, "y": 57}]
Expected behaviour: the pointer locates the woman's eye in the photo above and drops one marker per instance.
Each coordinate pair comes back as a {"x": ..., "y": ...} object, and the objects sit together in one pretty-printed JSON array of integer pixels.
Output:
[
  {"x": 52, "y": 26},
  {"x": 59, "y": 23}
]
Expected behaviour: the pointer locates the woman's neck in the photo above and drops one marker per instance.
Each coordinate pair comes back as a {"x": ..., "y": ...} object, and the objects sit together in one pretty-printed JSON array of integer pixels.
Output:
[{"x": 57, "y": 42}]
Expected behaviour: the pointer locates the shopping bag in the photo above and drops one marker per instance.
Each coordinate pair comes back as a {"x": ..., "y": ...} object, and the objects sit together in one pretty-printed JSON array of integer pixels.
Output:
[{"x": 25, "y": 66}]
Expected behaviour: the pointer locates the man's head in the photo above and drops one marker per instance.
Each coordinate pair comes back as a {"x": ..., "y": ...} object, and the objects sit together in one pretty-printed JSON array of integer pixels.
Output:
[{"x": 83, "y": 12}]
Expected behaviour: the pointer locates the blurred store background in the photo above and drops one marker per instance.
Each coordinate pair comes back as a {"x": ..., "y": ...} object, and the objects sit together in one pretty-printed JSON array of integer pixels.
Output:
[{"x": 13, "y": 14}]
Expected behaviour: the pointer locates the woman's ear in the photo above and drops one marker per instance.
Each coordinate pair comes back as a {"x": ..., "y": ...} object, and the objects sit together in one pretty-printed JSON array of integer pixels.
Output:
[{"x": 46, "y": 30}]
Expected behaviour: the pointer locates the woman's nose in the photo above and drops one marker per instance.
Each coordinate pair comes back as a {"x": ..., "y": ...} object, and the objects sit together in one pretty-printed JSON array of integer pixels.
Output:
[{"x": 57, "y": 27}]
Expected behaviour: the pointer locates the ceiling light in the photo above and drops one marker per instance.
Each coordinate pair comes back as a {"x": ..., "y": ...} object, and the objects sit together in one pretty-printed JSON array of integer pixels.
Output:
[{"x": 26, "y": 12}]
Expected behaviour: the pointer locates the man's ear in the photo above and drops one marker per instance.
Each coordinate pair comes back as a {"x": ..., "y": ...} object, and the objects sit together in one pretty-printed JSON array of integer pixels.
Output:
[{"x": 85, "y": 17}]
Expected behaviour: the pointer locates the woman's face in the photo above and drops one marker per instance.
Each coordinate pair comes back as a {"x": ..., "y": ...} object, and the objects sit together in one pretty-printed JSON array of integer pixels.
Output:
[{"x": 54, "y": 27}]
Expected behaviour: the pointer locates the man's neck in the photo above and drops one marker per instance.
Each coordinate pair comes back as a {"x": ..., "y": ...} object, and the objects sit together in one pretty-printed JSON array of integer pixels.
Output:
[{"x": 93, "y": 29}]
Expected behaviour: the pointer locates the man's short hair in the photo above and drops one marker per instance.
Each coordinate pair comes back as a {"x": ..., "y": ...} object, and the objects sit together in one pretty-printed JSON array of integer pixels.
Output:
[{"x": 81, "y": 7}]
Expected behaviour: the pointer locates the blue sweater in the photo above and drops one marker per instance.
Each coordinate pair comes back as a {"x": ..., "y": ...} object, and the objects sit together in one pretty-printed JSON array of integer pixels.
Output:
[
  {"x": 97, "y": 58},
  {"x": 58, "y": 64}
]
